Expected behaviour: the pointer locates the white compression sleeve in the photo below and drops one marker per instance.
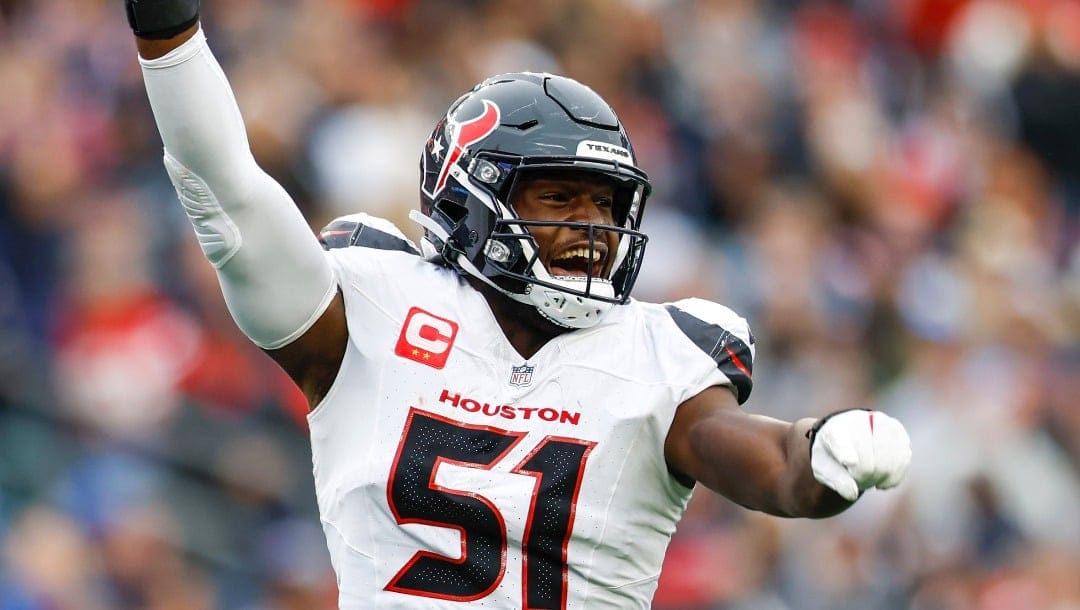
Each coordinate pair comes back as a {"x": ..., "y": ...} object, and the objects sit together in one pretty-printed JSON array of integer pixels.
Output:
[{"x": 272, "y": 270}]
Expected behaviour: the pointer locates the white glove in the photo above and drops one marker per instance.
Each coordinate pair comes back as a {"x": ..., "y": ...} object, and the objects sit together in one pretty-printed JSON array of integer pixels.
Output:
[{"x": 852, "y": 451}]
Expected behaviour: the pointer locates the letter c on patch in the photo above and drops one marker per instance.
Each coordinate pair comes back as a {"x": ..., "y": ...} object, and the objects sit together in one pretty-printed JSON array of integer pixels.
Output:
[{"x": 426, "y": 338}]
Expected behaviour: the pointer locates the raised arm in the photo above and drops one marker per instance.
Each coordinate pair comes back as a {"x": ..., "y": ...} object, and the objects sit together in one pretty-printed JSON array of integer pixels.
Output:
[
  {"x": 803, "y": 469},
  {"x": 277, "y": 283}
]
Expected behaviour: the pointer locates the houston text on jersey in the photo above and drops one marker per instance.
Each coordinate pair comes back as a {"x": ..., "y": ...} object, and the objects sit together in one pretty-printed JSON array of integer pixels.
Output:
[{"x": 549, "y": 414}]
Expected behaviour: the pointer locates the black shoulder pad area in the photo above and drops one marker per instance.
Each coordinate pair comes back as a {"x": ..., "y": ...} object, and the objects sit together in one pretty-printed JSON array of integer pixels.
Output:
[
  {"x": 731, "y": 354},
  {"x": 345, "y": 233}
]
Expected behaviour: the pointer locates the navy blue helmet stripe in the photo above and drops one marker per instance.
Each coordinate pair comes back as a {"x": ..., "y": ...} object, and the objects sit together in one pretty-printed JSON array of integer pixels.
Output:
[{"x": 731, "y": 354}]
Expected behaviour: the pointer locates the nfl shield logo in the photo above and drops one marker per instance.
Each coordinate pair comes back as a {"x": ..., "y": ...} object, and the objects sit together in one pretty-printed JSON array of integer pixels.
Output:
[{"x": 521, "y": 375}]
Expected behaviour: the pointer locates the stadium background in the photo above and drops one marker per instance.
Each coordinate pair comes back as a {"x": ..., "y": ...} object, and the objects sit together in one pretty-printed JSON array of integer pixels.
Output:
[{"x": 888, "y": 190}]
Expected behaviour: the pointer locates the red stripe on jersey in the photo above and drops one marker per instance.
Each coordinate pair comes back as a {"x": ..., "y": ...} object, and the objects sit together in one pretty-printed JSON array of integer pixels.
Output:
[{"x": 735, "y": 360}]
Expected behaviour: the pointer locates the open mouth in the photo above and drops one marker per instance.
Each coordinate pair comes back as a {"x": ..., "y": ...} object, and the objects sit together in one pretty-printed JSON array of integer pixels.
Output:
[{"x": 579, "y": 262}]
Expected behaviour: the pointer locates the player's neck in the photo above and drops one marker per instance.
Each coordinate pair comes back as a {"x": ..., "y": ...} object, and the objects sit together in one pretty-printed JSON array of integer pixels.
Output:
[{"x": 524, "y": 327}]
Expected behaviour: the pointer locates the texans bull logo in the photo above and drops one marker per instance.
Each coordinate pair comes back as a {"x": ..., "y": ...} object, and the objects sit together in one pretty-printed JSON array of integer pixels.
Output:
[{"x": 462, "y": 135}]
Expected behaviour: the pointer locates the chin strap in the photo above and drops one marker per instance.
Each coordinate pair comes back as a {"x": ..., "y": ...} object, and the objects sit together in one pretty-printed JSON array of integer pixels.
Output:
[
  {"x": 427, "y": 249},
  {"x": 431, "y": 253}
]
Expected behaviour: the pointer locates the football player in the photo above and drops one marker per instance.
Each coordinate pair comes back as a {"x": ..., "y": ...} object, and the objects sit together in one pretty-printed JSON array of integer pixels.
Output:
[{"x": 495, "y": 422}]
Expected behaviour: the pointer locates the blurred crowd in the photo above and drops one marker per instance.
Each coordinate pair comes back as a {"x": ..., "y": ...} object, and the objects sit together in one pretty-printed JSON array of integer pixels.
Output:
[{"x": 889, "y": 190}]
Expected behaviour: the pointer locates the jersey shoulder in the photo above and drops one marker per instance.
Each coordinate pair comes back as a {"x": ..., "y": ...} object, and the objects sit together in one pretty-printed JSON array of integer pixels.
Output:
[
  {"x": 721, "y": 334},
  {"x": 366, "y": 231},
  {"x": 372, "y": 255}
]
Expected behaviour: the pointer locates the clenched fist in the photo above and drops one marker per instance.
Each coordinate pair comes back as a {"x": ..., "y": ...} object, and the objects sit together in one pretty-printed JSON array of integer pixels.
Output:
[{"x": 852, "y": 451}]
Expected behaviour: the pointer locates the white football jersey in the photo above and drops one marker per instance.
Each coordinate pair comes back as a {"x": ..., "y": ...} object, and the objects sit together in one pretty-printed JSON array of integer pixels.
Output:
[{"x": 453, "y": 473}]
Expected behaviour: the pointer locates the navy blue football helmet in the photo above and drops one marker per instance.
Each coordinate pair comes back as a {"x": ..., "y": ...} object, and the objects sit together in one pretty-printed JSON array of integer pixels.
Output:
[{"x": 506, "y": 127}]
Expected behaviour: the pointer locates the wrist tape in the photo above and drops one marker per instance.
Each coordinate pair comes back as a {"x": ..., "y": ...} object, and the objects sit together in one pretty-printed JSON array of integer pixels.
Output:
[{"x": 161, "y": 19}]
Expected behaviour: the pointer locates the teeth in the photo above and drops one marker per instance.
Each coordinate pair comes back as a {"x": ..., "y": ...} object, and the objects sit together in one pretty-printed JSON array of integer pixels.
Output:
[{"x": 580, "y": 253}]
